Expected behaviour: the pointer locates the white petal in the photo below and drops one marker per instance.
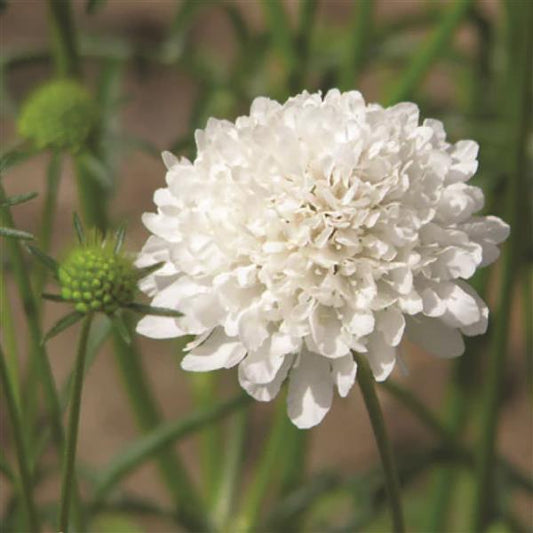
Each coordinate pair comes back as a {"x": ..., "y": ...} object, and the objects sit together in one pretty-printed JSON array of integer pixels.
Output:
[
  {"x": 391, "y": 323},
  {"x": 344, "y": 370},
  {"x": 326, "y": 333},
  {"x": 381, "y": 357},
  {"x": 434, "y": 336},
  {"x": 310, "y": 390},
  {"x": 218, "y": 351},
  {"x": 361, "y": 323},
  {"x": 159, "y": 327},
  {"x": 461, "y": 308},
  {"x": 268, "y": 391}
]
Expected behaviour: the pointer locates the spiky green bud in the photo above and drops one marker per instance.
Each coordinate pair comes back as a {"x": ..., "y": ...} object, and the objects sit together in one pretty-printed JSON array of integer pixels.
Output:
[
  {"x": 94, "y": 278},
  {"x": 60, "y": 115}
]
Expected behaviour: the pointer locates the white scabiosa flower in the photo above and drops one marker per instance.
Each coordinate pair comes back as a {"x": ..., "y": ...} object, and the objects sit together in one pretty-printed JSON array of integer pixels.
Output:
[{"x": 312, "y": 229}]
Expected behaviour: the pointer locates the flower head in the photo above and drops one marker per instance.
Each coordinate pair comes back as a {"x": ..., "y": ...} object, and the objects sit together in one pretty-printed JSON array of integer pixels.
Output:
[
  {"x": 95, "y": 278},
  {"x": 314, "y": 228},
  {"x": 59, "y": 115}
]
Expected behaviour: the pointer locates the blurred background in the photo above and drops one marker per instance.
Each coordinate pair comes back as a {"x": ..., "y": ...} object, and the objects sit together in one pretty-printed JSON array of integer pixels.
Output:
[{"x": 161, "y": 68}]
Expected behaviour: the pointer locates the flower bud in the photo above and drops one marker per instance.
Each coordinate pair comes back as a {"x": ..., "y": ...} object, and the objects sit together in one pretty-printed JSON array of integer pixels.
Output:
[
  {"x": 97, "y": 279},
  {"x": 60, "y": 115}
]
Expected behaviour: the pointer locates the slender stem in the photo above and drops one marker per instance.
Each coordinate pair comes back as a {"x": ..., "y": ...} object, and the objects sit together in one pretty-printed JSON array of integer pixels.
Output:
[
  {"x": 64, "y": 39},
  {"x": 10, "y": 339},
  {"x": 231, "y": 469},
  {"x": 360, "y": 29},
  {"x": 518, "y": 103},
  {"x": 366, "y": 384},
  {"x": 264, "y": 472},
  {"x": 431, "y": 50},
  {"x": 173, "y": 472},
  {"x": 69, "y": 458},
  {"x": 20, "y": 445},
  {"x": 204, "y": 394}
]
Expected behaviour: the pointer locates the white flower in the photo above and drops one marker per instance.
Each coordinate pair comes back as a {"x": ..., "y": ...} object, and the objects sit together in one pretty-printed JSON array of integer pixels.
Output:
[{"x": 313, "y": 228}]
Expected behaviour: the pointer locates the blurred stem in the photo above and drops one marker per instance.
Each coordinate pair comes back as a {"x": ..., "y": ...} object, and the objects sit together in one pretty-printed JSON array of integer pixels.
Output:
[
  {"x": 50, "y": 202},
  {"x": 264, "y": 471},
  {"x": 64, "y": 41},
  {"x": 92, "y": 198},
  {"x": 518, "y": 106},
  {"x": 425, "y": 58},
  {"x": 461, "y": 391},
  {"x": 366, "y": 384},
  {"x": 231, "y": 469},
  {"x": 527, "y": 302},
  {"x": 20, "y": 445},
  {"x": 39, "y": 357},
  {"x": 69, "y": 456},
  {"x": 360, "y": 29},
  {"x": 277, "y": 20},
  {"x": 10, "y": 339},
  {"x": 172, "y": 472},
  {"x": 297, "y": 78},
  {"x": 204, "y": 394},
  {"x": 38, "y": 353}
]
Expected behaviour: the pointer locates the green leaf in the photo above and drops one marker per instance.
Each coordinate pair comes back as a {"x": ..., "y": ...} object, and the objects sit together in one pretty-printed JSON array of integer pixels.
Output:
[
  {"x": 16, "y": 156},
  {"x": 119, "y": 238},
  {"x": 18, "y": 199},
  {"x": 78, "y": 226},
  {"x": 11, "y": 233},
  {"x": 146, "y": 447},
  {"x": 46, "y": 260},
  {"x": 53, "y": 297},
  {"x": 143, "y": 272},
  {"x": 62, "y": 324},
  {"x": 144, "y": 309},
  {"x": 122, "y": 328},
  {"x": 95, "y": 170}
]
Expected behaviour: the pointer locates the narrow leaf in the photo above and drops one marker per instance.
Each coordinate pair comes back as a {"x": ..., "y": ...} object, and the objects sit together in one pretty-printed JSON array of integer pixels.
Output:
[
  {"x": 147, "y": 446},
  {"x": 53, "y": 297},
  {"x": 144, "y": 309},
  {"x": 15, "y": 156},
  {"x": 45, "y": 259},
  {"x": 62, "y": 324},
  {"x": 122, "y": 328},
  {"x": 143, "y": 272},
  {"x": 15, "y": 234},
  {"x": 18, "y": 199},
  {"x": 78, "y": 226},
  {"x": 119, "y": 238}
]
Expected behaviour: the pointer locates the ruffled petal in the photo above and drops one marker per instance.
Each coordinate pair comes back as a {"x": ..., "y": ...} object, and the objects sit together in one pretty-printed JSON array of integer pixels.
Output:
[{"x": 310, "y": 390}]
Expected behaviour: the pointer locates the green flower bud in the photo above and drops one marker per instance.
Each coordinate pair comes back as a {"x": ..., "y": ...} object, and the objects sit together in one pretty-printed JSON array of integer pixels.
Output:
[
  {"x": 94, "y": 278},
  {"x": 60, "y": 115}
]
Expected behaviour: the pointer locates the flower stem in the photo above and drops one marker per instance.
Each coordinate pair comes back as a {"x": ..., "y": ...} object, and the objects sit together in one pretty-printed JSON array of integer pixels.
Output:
[
  {"x": 67, "y": 486},
  {"x": 264, "y": 472},
  {"x": 425, "y": 58},
  {"x": 64, "y": 40},
  {"x": 518, "y": 107},
  {"x": 366, "y": 384},
  {"x": 18, "y": 436},
  {"x": 173, "y": 473}
]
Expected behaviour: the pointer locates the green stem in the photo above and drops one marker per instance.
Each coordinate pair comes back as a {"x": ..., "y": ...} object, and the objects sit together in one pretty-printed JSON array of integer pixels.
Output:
[
  {"x": 425, "y": 58},
  {"x": 518, "y": 99},
  {"x": 172, "y": 471},
  {"x": 204, "y": 394},
  {"x": 231, "y": 469},
  {"x": 64, "y": 41},
  {"x": 20, "y": 446},
  {"x": 10, "y": 339},
  {"x": 366, "y": 384},
  {"x": 360, "y": 29},
  {"x": 69, "y": 458},
  {"x": 264, "y": 472}
]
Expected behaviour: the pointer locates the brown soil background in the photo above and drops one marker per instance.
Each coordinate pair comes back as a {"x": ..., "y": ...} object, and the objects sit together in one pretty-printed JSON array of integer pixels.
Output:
[{"x": 158, "y": 108}]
